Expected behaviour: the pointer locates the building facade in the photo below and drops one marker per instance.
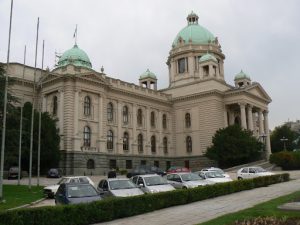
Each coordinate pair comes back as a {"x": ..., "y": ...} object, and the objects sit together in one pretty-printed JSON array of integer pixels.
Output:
[{"x": 109, "y": 123}]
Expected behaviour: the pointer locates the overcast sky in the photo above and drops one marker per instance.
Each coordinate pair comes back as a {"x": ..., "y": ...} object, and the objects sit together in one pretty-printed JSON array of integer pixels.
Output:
[{"x": 128, "y": 36}]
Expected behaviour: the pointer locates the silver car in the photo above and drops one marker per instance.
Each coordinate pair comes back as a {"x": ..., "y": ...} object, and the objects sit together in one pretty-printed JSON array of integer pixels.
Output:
[
  {"x": 152, "y": 183},
  {"x": 213, "y": 176},
  {"x": 118, "y": 187},
  {"x": 186, "y": 180}
]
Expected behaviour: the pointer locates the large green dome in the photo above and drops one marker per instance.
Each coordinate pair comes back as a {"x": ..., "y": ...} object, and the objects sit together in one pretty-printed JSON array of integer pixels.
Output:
[
  {"x": 194, "y": 33},
  {"x": 76, "y": 57}
]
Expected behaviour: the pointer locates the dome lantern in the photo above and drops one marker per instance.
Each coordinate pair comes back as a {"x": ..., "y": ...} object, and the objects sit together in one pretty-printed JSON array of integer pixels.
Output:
[{"x": 192, "y": 18}]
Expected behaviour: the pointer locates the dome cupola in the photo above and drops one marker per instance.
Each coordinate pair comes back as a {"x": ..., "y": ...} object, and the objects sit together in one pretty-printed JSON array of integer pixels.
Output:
[
  {"x": 207, "y": 57},
  {"x": 148, "y": 80},
  {"x": 242, "y": 80},
  {"x": 76, "y": 57}
]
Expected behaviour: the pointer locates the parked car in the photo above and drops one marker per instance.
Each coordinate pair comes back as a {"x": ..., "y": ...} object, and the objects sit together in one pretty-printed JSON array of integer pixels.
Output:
[
  {"x": 54, "y": 173},
  {"x": 213, "y": 176},
  {"x": 152, "y": 183},
  {"x": 186, "y": 180},
  {"x": 145, "y": 169},
  {"x": 13, "y": 173},
  {"x": 251, "y": 172},
  {"x": 52, "y": 189},
  {"x": 74, "y": 193},
  {"x": 216, "y": 169},
  {"x": 178, "y": 169},
  {"x": 118, "y": 187}
]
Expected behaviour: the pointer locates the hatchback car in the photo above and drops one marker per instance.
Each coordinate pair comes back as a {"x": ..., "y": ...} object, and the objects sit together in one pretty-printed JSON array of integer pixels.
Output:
[
  {"x": 252, "y": 172},
  {"x": 51, "y": 190},
  {"x": 13, "y": 173},
  {"x": 213, "y": 176},
  {"x": 152, "y": 183},
  {"x": 186, "y": 180},
  {"x": 72, "y": 193},
  {"x": 118, "y": 187},
  {"x": 216, "y": 169},
  {"x": 145, "y": 169}
]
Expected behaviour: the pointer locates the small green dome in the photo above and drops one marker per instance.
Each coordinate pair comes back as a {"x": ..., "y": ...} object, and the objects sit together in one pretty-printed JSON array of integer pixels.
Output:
[
  {"x": 207, "y": 57},
  {"x": 76, "y": 57},
  {"x": 194, "y": 32},
  {"x": 241, "y": 75},
  {"x": 147, "y": 74}
]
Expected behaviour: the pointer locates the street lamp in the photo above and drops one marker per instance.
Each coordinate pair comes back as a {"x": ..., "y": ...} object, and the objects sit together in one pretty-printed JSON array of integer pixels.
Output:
[{"x": 284, "y": 139}]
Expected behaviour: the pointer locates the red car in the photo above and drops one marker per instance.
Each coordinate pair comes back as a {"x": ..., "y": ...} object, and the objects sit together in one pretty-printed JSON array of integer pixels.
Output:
[{"x": 178, "y": 169}]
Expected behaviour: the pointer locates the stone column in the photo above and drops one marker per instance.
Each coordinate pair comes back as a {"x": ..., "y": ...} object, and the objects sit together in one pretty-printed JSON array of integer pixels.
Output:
[
  {"x": 225, "y": 117},
  {"x": 231, "y": 117},
  {"x": 44, "y": 104},
  {"x": 250, "y": 118},
  {"x": 243, "y": 115},
  {"x": 147, "y": 123},
  {"x": 61, "y": 111},
  {"x": 101, "y": 147},
  {"x": 267, "y": 133},
  {"x": 119, "y": 132},
  {"x": 260, "y": 120},
  {"x": 211, "y": 70},
  {"x": 160, "y": 137},
  {"x": 191, "y": 65},
  {"x": 134, "y": 133},
  {"x": 76, "y": 112}
]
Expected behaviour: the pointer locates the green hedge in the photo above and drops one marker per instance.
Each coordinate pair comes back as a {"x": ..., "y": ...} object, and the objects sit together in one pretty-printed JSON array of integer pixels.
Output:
[
  {"x": 113, "y": 208},
  {"x": 286, "y": 160}
]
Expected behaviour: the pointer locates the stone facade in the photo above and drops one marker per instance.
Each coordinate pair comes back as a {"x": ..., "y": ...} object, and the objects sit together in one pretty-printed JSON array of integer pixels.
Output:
[{"x": 105, "y": 122}]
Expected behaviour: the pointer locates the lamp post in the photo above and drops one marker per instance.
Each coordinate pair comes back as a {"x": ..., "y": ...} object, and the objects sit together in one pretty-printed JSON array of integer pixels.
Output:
[
  {"x": 263, "y": 141},
  {"x": 284, "y": 140}
]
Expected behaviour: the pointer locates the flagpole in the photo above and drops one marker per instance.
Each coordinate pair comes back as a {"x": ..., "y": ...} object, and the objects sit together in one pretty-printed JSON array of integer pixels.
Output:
[
  {"x": 40, "y": 121},
  {"x": 21, "y": 121},
  {"x": 5, "y": 106},
  {"x": 33, "y": 102}
]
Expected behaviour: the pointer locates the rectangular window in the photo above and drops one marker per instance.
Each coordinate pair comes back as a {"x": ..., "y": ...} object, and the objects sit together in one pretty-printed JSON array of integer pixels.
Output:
[
  {"x": 187, "y": 163},
  {"x": 112, "y": 164},
  {"x": 156, "y": 163},
  {"x": 181, "y": 65},
  {"x": 143, "y": 162},
  {"x": 128, "y": 164},
  {"x": 168, "y": 164}
]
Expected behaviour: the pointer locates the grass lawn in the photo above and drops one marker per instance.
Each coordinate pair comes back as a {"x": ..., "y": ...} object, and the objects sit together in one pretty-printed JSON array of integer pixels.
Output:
[
  {"x": 17, "y": 195},
  {"x": 261, "y": 210}
]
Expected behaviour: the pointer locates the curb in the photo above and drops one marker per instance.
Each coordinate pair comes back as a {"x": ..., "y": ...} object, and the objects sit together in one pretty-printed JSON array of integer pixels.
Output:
[{"x": 29, "y": 204}]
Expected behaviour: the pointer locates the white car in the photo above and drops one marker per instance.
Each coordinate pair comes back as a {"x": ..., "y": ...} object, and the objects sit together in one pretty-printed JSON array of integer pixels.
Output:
[
  {"x": 152, "y": 183},
  {"x": 52, "y": 189},
  {"x": 252, "y": 172},
  {"x": 186, "y": 180},
  {"x": 216, "y": 169},
  {"x": 213, "y": 176}
]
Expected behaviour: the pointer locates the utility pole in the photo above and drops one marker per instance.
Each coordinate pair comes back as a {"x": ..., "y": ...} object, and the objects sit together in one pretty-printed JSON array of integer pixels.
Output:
[{"x": 5, "y": 106}]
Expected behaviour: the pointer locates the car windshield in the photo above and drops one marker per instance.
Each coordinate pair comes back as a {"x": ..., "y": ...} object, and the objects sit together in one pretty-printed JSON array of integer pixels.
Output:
[
  {"x": 81, "y": 191},
  {"x": 214, "y": 174},
  {"x": 218, "y": 170},
  {"x": 62, "y": 181},
  {"x": 259, "y": 170},
  {"x": 190, "y": 177},
  {"x": 53, "y": 170},
  {"x": 121, "y": 184},
  {"x": 155, "y": 180}
]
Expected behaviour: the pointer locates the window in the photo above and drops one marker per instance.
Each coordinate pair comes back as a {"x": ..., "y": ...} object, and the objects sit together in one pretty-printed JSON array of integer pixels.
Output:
[
  {"x": 168, "y": 164},
  {"x": 139, "y": 117},
  {"x": 187, "y": 120},
  {"x": 87, "y": 106},
  {"x": 110, "y": 109},
  {"x": 205, "y": 71},
  {"x": 164, "y": 121},
  {"x": 156, "y": 163},
  {"x": 187, "y": 164},
  {"x": 86, "y": 136},
  {"x": 128, "y": 164},
  {"x": 112, "y": 164},
  {"x": 110, "y": 140},
  {"x": 165, "y": 144},
  {"x": 181, "y": 65},
  {"x": 143, "y": 162},
  {"x": 90, "y": 164},
  {"x": 153, "y": 144},
  {"x": 54, "y": 109},
  {"x": 152, "y": 119},
  {"x": 125, "y": 114},
  {"x": 126, "y": 141},
  {"x": 140, "y": 143},
  {"x": 188, "y": 144}
]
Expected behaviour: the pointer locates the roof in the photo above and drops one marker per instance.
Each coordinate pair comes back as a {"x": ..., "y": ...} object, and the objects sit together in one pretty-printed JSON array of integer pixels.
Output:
[
  {"x": 207, "y": 57},
  {"x": 241, "y": 75},
  {"x": 148, "y": 74}
]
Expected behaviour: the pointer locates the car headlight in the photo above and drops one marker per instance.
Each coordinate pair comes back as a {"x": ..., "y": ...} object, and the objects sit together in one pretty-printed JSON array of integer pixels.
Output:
[{"x": 153, "y": 191}]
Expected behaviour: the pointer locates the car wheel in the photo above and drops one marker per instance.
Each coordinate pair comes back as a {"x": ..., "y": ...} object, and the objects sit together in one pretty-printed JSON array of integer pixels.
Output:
[
  {"x": 240, "y": 178},
  {"x": 184, "y": 187}
]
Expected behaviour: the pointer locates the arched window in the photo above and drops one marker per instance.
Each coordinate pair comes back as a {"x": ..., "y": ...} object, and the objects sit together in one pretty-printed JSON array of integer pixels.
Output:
[
  {"x": 87, "y": 106},
  {"x": 125, "y": 114},
  {"x": 139, "y": 117},
  {"x": 110, "y": 140},
  {"x": 110, "y": 109},
  {"x": 126, "y": 141},
  {"x": 164, "y": 121},
  {"x": 152, "y": 119},
  {"x": 153, "y": 144},
  {"x": 187, "y": 120},
  {"x": 165, "y": 144},
  {"x": 189, "y": 144},
  {"x": 90, "y": 164},
  {"x": 87, "y": 136},
  {"x": 54, "y": 109},
  {"x": 140, "y": 143}
]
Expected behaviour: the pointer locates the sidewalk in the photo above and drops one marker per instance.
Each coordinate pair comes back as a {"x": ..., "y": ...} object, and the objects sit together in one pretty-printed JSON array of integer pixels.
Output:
[{"x": 208, "y": 209}]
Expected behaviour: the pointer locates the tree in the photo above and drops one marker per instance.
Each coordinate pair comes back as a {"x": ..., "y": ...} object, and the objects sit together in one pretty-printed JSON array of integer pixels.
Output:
[
  {"x": 280, "y": 132},
  {"x": 234, "y": 146}
]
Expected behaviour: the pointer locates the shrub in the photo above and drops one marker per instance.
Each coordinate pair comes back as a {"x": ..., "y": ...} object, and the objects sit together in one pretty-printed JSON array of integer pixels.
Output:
[
  {"x": 114, "y": 208},
  {"x": 286, "y": 160}
]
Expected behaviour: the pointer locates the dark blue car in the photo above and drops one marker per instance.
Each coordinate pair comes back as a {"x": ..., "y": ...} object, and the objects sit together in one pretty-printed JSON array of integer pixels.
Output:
[{"x": 69, "y": 193}]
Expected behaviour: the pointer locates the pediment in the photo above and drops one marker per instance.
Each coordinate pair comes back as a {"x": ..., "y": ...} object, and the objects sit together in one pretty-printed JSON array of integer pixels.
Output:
[
  {"x": 93, "y": 77},
  {"x": 49, "y": 77},
  {"x": 257, "y": 90}
]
